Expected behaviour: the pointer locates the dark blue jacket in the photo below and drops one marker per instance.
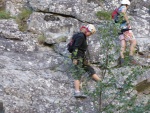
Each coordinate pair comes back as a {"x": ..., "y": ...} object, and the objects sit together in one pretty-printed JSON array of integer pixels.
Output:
[{"x": 80, "y": 45}]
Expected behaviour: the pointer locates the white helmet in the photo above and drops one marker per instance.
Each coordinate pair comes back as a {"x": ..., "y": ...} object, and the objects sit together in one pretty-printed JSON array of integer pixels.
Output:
[
  {"x": 91, "y": 28},
  {"x": 125, "y": 2}
]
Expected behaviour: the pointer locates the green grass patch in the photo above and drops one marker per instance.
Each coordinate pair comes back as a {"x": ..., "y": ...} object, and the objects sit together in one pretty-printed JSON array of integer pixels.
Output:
[
  {"x": 22, "y": 19},
  {"x": 103, "y": 15},
  {"x": 41, "y": 39},
  {"x": 4, "y": 15}
]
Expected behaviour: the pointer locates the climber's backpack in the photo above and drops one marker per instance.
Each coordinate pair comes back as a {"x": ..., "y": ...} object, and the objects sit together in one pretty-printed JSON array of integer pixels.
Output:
[
  {"x": 115, "y": 15},
  {"x": 70, "y": 45}
]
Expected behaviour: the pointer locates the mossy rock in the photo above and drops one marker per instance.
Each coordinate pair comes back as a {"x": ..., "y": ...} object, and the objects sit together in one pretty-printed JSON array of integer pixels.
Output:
[
  {"x": 103, "y": 15},
  {"x": 22, "y": 19},
  {"x": 4, "y": 15}
]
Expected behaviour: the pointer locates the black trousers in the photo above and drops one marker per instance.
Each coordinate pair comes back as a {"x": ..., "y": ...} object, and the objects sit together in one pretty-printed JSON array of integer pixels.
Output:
[{"x": 81, "y": 68}]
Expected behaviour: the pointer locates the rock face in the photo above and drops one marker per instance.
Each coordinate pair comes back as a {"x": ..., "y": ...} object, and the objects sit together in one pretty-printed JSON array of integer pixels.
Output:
[
  {"x": 36, "y": 78},
  {"x": 77, "y": 8}
]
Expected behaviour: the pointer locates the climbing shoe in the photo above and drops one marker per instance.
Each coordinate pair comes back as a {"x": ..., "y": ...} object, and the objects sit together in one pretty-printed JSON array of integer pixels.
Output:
[
  {"x": 79, "y": 95},
  {"x": 120, "y": 61}
]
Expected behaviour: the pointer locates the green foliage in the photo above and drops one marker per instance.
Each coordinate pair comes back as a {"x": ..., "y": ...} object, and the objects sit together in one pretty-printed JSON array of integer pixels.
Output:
[
  {"x": 22, "y": 19},
  {"x": 111, "y": 98},
  {"x": 77, "y": 70},
  {"x": 107, "y": 96},
  {"x": 102, "y": 0},
  {"x": 4, "y": 15},
  {"x": 109, "y": 34},
  {"x": 104, "y": 15},
  {"x": 41, "y": 39}
]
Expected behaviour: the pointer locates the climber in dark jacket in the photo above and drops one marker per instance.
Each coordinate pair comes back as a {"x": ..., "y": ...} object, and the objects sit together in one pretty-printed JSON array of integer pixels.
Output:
[
  {"x": 80, "y": 45},
  {"x": 79, "y": 60}
]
